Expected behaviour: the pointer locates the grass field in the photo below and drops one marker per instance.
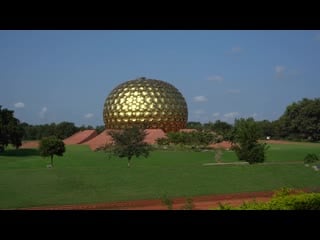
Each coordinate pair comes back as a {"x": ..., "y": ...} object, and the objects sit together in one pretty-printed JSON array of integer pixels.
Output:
[{"x": 83, "y": 176}]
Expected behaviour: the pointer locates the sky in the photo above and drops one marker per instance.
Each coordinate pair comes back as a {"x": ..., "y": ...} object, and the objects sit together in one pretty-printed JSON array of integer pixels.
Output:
[{"x": 53, "y": 76}]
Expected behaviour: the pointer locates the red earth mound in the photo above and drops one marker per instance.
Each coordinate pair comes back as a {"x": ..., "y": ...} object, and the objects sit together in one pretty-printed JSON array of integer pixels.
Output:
[
  {"x": 99, "y": 141},
  {"x": 104, "y": 138},
  {"x": 153, "y": 135},
  {"x": 30, "y": 144},
  {"x": 80, "y": 137}
]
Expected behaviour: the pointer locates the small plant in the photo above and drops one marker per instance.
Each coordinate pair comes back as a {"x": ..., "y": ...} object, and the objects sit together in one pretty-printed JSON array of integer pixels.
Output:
[
  {"x": 224, "y": 206},
  {"x": 163, "y": 141},
  {"x": 189, "y": 205},
  {"x": 218, "y": 155},
  {"x": 311, "y": 158},
  {"x": 285, "y": 191},
  {"x": 167, "y": 201}
]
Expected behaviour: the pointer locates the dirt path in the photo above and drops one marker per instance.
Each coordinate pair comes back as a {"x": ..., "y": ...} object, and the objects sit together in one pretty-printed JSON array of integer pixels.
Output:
[{"x": 200, "y": 203}]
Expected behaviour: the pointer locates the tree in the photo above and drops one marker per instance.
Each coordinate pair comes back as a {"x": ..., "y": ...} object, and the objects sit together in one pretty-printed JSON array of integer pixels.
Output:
[
  {"x": 129, "y": 142},
  {"x": 65, "y": 129},
  {"x": 10, "y": 129},
  {"x": 16, "y": 136},
  {"x": 222, "y": 128},
  {"x": 301, "y": 120},
  {"x": 266, "y": 127},
  {"x": 100, "y": 128},
  {"x": 50, "y": 146},
  {"x": 194, "y": 125},
  {"x": 245, "y": 139}
]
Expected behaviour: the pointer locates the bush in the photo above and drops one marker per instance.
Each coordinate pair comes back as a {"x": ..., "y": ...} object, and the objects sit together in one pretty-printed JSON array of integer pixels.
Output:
[
  {"x": 163, "y": 141},
  {"x": 252, "y": 154},
  {"x": 225, "y": 207},
  {"x": 217, "y": 155},
  {"x": 285, "y": 191},
  {"x": 306, "y": 201},
  {"x": 311, "y": 158},
  {"x": 189, "y": 205},
  {"x": 257, "y": 153},
  {"x": 284, "y": 199},
  {"x": 167, "y": 201},
  {"x": 245, "y": 137}
]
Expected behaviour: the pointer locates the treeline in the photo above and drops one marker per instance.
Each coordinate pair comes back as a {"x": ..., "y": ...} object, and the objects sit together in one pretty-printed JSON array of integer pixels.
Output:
[
  {"x": 195, "y": 139},
  {"x": 224, "y": 129},
  {"x": 299, "y": 122},
  {"x": 61, "y": 130}
]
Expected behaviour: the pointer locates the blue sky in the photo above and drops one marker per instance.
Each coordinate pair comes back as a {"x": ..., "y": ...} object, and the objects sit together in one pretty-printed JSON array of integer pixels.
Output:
[{"x": 53, "y": 76}]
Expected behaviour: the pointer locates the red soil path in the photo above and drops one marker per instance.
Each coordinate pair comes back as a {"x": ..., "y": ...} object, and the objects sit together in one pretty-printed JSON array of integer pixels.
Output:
[
  {"x": 223, "y": 145},
  {"x": 200, "y": 203}
]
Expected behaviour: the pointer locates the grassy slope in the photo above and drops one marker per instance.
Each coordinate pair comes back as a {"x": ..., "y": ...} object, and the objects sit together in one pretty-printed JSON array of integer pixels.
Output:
[{"x": 83, "y": 176}]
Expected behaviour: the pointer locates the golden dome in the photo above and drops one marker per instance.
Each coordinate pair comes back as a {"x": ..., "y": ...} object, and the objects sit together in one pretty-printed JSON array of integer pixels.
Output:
[{"x": 145, "y": 102}]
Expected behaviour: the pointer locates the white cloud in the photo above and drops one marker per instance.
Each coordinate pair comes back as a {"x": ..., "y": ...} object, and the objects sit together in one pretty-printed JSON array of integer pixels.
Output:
[
  {"x": 279, "y": 71},
  {"x": 215, "y": 78},
  {"x": 216, "y": 114},
  {"x": 43, "y": 112},
  {"x": 233, "y": 91},
  {"x": 200, "y": 99},
  {"x": 236, "y": 50},
  {"x": 88, "y": 115},
  {"x": 19, "y": 105},
  {"x": 199, "y": 112},
  {"x": 231, "y": 115}
]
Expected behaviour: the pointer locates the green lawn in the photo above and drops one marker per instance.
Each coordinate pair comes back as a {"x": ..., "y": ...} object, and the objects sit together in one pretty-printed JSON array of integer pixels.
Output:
[{"x": 83, "y": 176}]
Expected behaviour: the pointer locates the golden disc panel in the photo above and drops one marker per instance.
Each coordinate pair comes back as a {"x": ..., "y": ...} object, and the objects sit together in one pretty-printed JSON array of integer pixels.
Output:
[{"x": 145, "y": 102}]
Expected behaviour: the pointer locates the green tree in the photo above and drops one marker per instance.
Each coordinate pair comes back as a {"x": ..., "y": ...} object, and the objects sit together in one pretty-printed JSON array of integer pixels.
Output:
[
  {"x": 129, "y": 142},
  {"x": 50, "y": 146},
  {"x": 10, "y": 129},
  {"x": 100, "y": 128},
  {"x": 301, "y": 120},
  {"x": 222, "y": 128},
  {"x": 245, "y": 138},
  {"x": 194, "y": 125},
  {"x": 16, "y": 136},
  {"x": 266, "y": 128},
  {"x": 65, "y": 129}
]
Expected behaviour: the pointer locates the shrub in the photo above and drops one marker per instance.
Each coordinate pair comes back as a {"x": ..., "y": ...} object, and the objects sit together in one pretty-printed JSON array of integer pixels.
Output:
[
  {"x": 188, "y": 205},
  {"x": 252, "y": 154},
  {"x": 163, "y": 141},
  {"x": 284, "y": 199},
  {"x": 245, "y": 137},
  {"x": 285, "y": 191},
  {"x": 217, "y": 155},
  {"x": 306, "y": 201},
  {"x": 311, "y": 158},
  {"x": 167, "y": 201}
]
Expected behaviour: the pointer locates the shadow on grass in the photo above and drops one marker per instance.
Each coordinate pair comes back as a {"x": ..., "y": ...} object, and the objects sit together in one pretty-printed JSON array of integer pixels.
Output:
[{"x": 20, "y": 152}]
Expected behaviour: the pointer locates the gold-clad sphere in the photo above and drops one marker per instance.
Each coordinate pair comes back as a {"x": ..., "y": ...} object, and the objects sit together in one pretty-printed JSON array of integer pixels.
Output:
[{"x": 145, "y": 102}]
